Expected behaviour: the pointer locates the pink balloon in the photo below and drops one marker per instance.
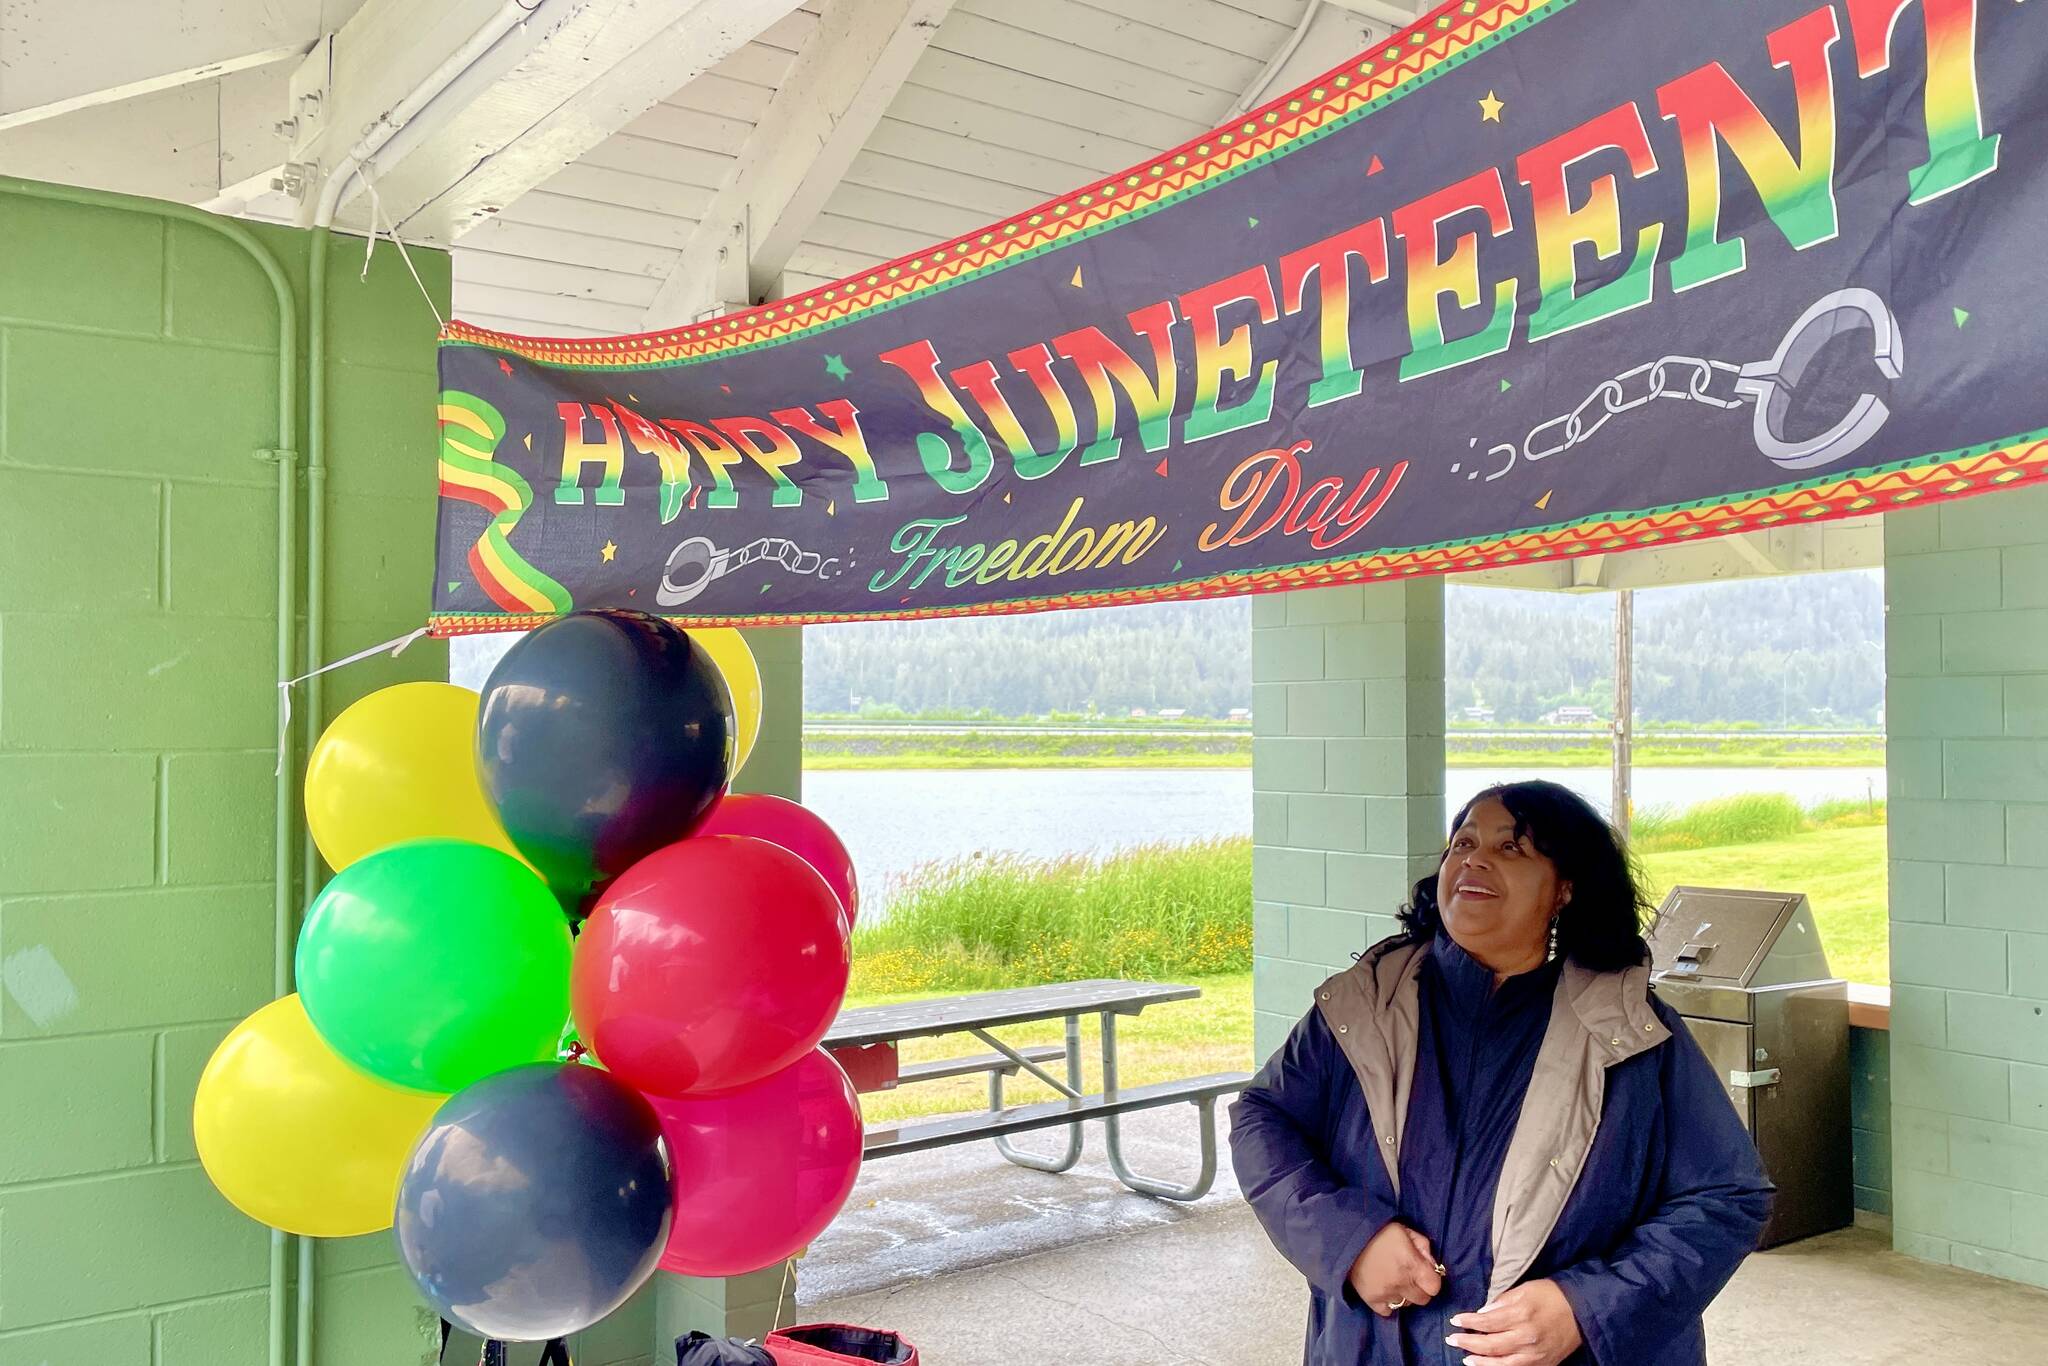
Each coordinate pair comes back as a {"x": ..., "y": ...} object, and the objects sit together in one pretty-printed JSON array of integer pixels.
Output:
[
  {"x": 761, "y": 1170},
  {"x": 708, "y": 965},
  {"x": 796, "y": 828}
]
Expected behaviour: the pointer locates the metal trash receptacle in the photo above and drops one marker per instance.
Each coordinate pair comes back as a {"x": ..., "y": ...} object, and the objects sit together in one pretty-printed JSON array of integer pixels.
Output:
[{"x": 1748, "y": 972}]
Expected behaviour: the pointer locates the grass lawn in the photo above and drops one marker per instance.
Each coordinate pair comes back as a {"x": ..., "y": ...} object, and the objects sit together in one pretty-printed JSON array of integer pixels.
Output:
[
  {"x": 1842, "y": 873},
  {"x": 1841, "y": 870}
]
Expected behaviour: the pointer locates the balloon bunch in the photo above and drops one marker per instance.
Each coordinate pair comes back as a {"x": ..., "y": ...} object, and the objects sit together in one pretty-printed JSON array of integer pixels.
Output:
[{"x": 558, "y": 858}]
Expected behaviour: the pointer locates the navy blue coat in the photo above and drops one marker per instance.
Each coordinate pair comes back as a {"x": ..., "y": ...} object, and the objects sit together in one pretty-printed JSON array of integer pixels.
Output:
[{"x": 1669, "y": 1202}]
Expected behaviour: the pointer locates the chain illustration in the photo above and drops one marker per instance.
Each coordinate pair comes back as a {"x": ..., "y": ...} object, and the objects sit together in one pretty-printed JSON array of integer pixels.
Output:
[
  {"x": 1766, "y": 384},
  {"x": 693, "y": 564}
]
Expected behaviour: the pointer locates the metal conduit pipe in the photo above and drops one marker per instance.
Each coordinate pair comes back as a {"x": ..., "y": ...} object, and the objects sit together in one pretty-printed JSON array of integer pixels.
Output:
[{"x": 286, "y": 457}]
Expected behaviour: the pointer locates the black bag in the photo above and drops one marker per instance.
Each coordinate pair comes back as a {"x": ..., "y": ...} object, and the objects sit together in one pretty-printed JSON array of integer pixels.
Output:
[{"x": 701, "y": 1349}]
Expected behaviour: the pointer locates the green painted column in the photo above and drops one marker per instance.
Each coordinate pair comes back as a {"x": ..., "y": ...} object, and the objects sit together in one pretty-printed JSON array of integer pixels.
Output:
[
  {"x": 138, "y": 719},
  {"x": 1347, "y": 779},
  {"x": 1966, "y": 598}
]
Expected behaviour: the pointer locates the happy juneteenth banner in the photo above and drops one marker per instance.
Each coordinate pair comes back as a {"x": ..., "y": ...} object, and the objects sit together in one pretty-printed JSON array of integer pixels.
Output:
[{"x": 1536, "y": 278}]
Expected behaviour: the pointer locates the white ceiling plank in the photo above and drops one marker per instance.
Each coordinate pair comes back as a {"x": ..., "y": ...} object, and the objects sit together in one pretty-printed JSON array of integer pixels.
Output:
[
  {"x": 535, "y": 311},
  {"x": 1286, "y": 12},
  {"x": 599, "y": 218},
  {"x": 692, "y": 128},
  {"x": 1002, "y": 44},
  {"x": 790, "y": 32},
  {"x": 1127, "y": 40},
  {"x": 990, "y": 199},
  {"x": 554, "y": 88},
  {"x": 603, "y": 185},
  {"x": 551, "y": 244},
  {"x": 830, "y": 100},
  {"x": 57, "y": 58},
  {"x": 659, "y": 160},
  {"x": 1101, "y": 153},
  {"x": 795, "y": 282},
  {"x": 903, "y": 211},
  {"x": 550, "y": 277},
  {"x": 1208, "y": 21},
  {"x": 712, "y": 93},
  {"x": 985, "y": 159},
  {"x": 832, "y": 263},
  {"x": 757, "y": 64},
  {"x": 1039, "y": 98},
  {"x": 525, "y": 327},
  {"x": 870, "y": 239}
]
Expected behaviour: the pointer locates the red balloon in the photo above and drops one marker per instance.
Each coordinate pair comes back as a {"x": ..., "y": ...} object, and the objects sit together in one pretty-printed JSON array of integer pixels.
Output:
[
  {"x": 708, "y": 965},
  {"x": 796, "y": 828},
  {"x": 761, "y": 1170}
]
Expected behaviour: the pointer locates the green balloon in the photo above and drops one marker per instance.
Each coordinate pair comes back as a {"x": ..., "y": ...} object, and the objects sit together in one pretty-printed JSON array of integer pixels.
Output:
[{"x": 435, "y": 964}]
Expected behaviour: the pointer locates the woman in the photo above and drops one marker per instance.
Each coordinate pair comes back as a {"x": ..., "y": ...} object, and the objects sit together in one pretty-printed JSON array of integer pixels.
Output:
[{"x": 1489, "y": 1142}]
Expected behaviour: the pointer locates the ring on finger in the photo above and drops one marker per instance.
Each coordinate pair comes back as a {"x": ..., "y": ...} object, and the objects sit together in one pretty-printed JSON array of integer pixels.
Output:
[{"x": 1396, "y": 1304}]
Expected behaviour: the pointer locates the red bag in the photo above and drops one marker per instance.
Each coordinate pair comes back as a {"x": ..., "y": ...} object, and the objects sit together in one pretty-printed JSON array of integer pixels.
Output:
[{"x": 835, "y": 1344}]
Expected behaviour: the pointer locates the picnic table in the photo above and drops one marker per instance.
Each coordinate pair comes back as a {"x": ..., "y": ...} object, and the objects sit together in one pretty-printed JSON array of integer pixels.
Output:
[{"x": 867, "y": 1042}]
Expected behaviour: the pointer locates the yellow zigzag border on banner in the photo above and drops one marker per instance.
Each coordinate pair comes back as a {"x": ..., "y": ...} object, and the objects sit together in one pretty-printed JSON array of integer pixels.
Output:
[
  {"x": 2025, "y": 462},
  {"x": 1401, "y": 60}
]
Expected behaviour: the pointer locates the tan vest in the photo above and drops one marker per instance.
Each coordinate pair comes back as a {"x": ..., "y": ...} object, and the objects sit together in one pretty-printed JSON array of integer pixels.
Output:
[{"x": 1597, "y": 1019}]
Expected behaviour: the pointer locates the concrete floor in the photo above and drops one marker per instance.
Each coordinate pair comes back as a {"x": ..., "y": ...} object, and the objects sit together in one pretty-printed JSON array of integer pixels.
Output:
[{"x": 959, "y": 1251}]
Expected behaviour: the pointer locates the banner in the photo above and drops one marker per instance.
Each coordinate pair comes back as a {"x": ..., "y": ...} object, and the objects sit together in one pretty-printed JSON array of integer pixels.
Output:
[{"x": 1535, "y": 278}]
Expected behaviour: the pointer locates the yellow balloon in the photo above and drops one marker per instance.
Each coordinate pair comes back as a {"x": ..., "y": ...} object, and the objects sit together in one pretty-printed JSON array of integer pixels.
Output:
[
  {"x": 296, "y": 1138},
  {"x": 399, "y": 765},
  {"x": 728, "y": 650}
]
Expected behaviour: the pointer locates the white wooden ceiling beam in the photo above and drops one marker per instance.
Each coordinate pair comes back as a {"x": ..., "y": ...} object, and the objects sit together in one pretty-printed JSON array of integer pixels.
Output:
[
  {"x": 551, "y": 89},
  {"x": 828, "y": 104},
  {"x": 1852, "y": 543},
  {"x": 57, "y": 58}
]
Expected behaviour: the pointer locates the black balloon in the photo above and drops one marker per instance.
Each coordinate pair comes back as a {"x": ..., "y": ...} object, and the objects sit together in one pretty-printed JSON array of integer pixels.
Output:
[
  {"x": 603, "y": 737},
  {"x": 537, "y": 1203}
]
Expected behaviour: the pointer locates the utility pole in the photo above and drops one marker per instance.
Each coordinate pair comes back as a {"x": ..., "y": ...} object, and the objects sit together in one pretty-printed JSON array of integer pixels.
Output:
[{"x": 1624, "y": 704}]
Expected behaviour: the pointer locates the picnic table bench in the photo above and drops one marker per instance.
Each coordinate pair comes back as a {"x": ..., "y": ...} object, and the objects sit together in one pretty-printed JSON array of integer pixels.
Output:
[{"x": 867, "y": 1042}]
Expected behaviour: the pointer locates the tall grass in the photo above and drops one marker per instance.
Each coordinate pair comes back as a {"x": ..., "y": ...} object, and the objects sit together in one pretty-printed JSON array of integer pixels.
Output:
[
  {"x": 1184, "y": 910},
  {"x": 1747, "y": 818},
  {"x": 1148, "y": 911}
]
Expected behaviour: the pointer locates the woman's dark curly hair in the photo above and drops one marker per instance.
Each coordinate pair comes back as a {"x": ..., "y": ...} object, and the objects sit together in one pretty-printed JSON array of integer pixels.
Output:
[{"x": 1600, "y": 928}]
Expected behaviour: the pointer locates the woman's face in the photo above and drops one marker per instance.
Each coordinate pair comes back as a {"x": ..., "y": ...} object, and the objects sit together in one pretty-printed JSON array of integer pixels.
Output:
[{"x": 1497, "y": 894}]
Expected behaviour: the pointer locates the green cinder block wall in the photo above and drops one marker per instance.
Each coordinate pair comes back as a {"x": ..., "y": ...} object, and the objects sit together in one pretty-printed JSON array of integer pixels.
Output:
[
  {"x": 1966, "y": 589},
  {"x": 138, "y": 711}
]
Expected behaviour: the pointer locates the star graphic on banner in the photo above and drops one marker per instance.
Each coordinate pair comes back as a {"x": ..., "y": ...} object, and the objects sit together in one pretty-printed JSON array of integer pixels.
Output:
[
  {"x": 1490, "y": 107},
  {"x": 610, "y": 552},
  {"x": 835, "y": 366},
  {"x": 505, "y": 365}
]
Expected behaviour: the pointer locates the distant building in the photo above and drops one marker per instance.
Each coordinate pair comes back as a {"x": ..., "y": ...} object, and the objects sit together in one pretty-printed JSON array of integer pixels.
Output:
[
  {"x": 1240, "y": 713},
  {"x": 1479, "y": 714},
  {"x": 1137, "y": 712},
  {"x": 1570, "y": 716},
  {"x": 1172, "y": 713}
]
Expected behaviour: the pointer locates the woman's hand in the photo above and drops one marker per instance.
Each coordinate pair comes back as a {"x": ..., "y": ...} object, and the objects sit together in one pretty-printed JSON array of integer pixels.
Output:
[
  {"x": 1396, "y": 1270},
  {"x": 1531, "y": 1325}
]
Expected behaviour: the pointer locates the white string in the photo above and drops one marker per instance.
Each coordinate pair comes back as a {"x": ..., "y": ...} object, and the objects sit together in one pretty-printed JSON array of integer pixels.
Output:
[
  {"x": 394, "y": 647},
  {"x": 782, "y": 1296},
  {"x": 376, "y": 223}
]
